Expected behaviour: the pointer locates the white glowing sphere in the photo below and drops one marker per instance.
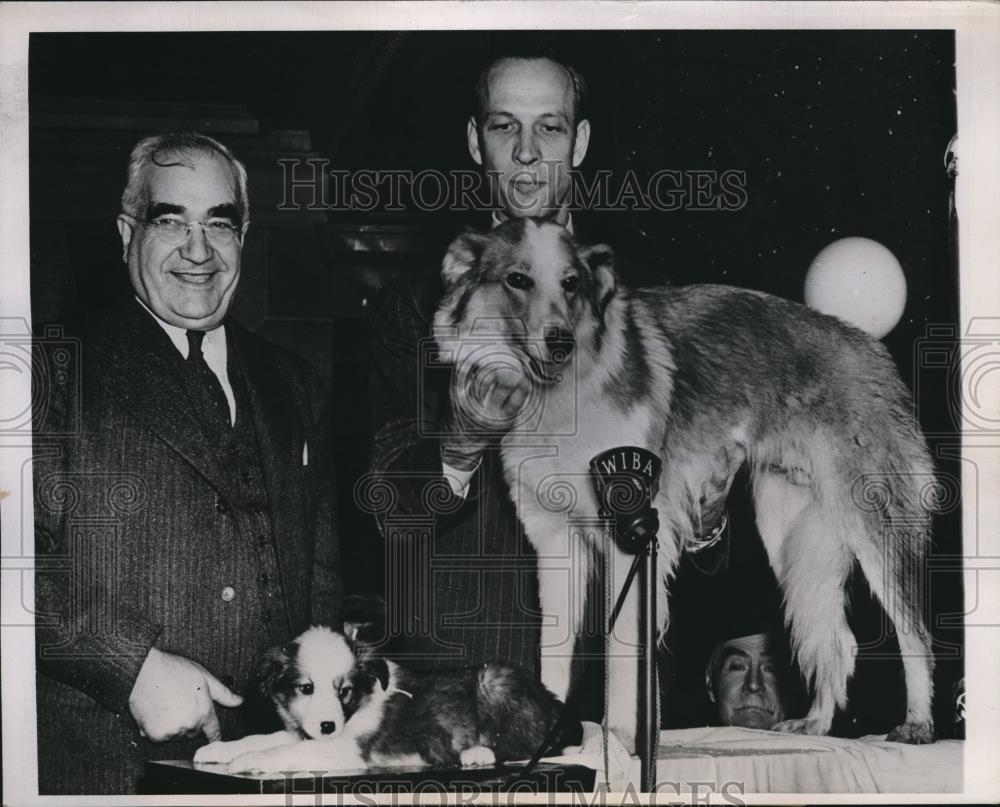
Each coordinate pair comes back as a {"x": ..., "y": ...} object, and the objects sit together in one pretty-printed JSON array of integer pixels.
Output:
[{"x": 860, "y": 281}]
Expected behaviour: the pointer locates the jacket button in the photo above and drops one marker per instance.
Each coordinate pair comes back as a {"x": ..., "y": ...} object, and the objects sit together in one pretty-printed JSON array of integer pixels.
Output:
[
  {"x": 221, "y": 505},
  {"x": 228, "y": 594}
]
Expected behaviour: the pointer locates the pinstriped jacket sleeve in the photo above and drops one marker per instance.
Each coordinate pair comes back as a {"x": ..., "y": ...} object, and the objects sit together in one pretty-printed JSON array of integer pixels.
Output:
[{"x": 101, "y": 663}]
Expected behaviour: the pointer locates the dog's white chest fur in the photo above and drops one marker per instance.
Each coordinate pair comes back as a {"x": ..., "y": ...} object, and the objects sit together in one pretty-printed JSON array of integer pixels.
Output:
[{"x": 547, "y": 465}]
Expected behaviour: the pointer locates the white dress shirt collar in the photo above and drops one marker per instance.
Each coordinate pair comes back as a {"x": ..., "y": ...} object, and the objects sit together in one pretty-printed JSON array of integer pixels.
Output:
[
  {"x": 213, "y": 348},
  {"x": 497, "y": 221}
]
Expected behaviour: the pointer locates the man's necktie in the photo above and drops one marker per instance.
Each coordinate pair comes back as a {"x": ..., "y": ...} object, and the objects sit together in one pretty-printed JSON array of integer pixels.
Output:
[{"x": 213, "y": 406}]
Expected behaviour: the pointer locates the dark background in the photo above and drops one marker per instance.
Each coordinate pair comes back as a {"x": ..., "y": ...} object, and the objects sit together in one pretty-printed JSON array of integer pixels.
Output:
[{"x": 839, "y": 132}]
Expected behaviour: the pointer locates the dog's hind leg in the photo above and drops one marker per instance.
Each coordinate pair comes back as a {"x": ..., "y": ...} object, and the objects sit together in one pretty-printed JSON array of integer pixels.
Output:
[
  {"x": 811, "y": 562},
  {"x": 892, "y": 564}
]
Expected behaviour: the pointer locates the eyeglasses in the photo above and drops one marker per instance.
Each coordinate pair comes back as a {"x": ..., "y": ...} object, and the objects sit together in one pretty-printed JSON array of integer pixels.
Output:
[{"x": 219, "y": 232}]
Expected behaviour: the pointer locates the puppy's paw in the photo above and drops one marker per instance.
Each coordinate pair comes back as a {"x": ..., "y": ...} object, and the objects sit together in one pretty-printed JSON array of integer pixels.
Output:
[
  {"x": 800, "y": 726},
  {"x": 477, "y": 756},
  {"x": 917, "y": 733},
  {"x": 217, "y": 752},
  {"x": 338, "y": 753},
  {"x": 253, "y": 762}
]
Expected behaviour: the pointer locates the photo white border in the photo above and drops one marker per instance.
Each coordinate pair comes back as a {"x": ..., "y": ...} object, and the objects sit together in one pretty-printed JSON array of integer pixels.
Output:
[{"x": 977, "y": 29}]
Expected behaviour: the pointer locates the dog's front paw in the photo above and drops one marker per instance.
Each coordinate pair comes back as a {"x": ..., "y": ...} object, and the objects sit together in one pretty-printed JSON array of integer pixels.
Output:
[
  {"x": 918, "y": 733},
  {"x": 555, "y": 674},
  {"x": 800, "y": 726},
  {"x": 626, "y": 736},
  {"x": 477, "y": 756},
  {"x": 217, "y": 752}
]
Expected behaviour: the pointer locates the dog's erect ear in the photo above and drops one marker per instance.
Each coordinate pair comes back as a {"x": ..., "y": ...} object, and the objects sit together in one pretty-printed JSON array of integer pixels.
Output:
[
  {"x": 463, "y": 254},
  {"x": 601, "y": 260},
  {"x": 273, "y": 670},
  {"x": 376, "y": 668},
  {"x": 364, "y": 618}
]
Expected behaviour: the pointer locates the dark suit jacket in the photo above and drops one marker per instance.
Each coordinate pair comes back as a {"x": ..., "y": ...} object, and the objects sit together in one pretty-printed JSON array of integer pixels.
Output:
[{"x": 146, "y": 539}]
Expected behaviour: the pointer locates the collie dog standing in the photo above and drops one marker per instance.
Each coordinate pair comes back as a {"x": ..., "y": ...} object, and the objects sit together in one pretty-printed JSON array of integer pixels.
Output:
[
  {"x": 345, "y": 708},
  {"x": 709, "y": 377}
]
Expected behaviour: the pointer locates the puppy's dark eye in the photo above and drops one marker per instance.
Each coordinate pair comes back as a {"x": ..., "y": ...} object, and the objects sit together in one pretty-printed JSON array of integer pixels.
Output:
[
  {"x": 519, "y": 280},
  {"x": 345, "y": 692},
  {"x": 571, "y": 284},
  {"x": 306, "y": 688}
]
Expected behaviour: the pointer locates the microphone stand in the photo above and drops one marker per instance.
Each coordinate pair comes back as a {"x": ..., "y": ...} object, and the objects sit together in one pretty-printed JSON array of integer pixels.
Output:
[{"x": 626, "y": 480}]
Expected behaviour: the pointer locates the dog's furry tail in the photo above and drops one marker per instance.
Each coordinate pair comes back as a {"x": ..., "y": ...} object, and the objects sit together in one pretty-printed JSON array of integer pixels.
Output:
[{"x": 518, "y": 712}]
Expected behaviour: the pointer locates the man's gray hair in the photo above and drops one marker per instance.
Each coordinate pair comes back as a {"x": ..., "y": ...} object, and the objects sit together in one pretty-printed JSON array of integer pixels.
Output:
[{"x": 177, "y": 146}]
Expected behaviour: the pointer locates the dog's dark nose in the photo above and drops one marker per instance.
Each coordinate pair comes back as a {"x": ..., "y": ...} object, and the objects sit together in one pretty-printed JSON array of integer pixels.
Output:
[
  {"x": 327, "y": 727},
  {"x": 560, "y": 344}
]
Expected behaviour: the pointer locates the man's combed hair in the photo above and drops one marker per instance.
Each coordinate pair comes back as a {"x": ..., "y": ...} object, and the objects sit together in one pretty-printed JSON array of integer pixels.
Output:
[
  {"x": 528, "y": 54},
  {"x": 173, "y": 149}
]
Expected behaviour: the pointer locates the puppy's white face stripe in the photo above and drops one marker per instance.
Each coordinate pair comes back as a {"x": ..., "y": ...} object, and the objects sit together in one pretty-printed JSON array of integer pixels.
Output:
[
  {"x": 323, "y": 659},
  {"x": 325, "y": 653}
]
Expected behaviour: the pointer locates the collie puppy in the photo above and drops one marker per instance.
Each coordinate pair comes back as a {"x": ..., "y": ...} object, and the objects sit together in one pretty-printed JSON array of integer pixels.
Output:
[
  {"x": 345, "y": 708},
  {"x": 709, "y": 378}
]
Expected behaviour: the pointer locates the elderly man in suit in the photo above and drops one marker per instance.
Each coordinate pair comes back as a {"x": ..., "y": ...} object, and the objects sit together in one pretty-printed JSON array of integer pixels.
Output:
[{"x": 183, "y": 492}]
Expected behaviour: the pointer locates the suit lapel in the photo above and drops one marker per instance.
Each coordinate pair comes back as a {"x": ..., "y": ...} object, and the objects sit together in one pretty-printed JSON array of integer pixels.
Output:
[{"x": 143, "y": 372}]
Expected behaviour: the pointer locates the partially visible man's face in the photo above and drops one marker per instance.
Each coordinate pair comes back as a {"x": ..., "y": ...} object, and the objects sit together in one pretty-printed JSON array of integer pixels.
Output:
[
  {"x": 745, "y": 686},
  {"x": 187, "y": 280},
  {"x": 528, "y": 136}
]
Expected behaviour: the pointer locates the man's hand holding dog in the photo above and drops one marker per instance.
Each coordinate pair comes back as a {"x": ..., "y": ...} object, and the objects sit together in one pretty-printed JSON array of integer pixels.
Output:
[
  {"x": 174, "y": 697},
  {"x": 486, "y": 400}
]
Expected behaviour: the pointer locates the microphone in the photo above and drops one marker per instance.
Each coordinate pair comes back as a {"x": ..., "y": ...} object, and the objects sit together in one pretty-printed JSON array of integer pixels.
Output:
[{"x": 626, "y": 480}]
